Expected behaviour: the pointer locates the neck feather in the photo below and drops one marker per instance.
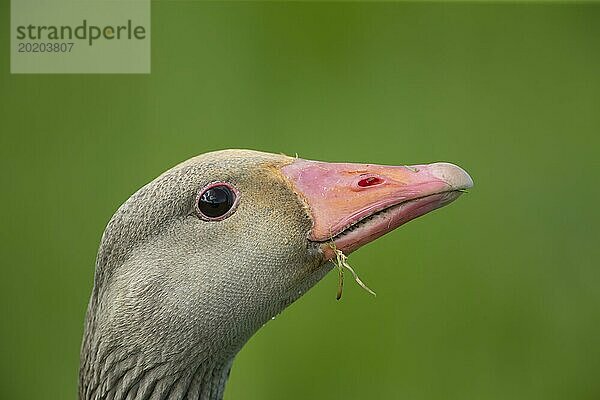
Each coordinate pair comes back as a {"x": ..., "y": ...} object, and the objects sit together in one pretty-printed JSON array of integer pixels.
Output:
[{"x": 120, "y": 377}]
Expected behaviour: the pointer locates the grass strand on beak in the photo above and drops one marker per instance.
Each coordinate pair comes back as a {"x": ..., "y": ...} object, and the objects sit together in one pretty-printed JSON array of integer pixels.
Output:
[
  {"x": 341, "y": 262},
  {"x": 340, "y": 283}
]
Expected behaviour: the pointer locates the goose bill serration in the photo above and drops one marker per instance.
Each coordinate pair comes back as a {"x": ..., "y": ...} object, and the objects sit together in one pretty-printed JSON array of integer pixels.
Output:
[{"x": 178, "y": 291}]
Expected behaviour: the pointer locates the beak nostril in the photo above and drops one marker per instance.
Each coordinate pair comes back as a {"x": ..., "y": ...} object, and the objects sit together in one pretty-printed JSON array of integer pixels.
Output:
[{"x": 370, "y": 181}]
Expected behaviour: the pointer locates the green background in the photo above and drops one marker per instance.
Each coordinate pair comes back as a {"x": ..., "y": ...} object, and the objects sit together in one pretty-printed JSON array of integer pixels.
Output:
[{"x": 494, "y": 297}]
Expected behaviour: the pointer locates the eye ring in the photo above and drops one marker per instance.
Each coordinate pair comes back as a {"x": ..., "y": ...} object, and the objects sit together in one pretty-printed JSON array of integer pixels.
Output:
[{"x": 216, "y": 201}]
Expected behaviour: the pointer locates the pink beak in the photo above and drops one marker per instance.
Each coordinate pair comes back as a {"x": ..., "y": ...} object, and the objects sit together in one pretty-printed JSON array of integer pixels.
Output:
[{"x": 354, "y": 204}]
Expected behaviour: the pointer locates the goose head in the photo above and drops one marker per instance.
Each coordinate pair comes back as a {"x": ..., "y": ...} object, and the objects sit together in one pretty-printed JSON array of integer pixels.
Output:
[{"x": 196, "y": 261}]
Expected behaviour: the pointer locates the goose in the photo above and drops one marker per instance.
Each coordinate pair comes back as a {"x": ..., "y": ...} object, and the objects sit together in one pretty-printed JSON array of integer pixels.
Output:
[{"x": 200, "y": 258}]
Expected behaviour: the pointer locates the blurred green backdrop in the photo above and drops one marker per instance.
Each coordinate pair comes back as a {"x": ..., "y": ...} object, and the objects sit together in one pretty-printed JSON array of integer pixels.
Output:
[{"x": 494, "y": 297}]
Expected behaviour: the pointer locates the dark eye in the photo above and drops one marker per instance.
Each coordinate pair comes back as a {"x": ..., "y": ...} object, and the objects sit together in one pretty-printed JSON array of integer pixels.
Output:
[{"x": 216, "y": 201}]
